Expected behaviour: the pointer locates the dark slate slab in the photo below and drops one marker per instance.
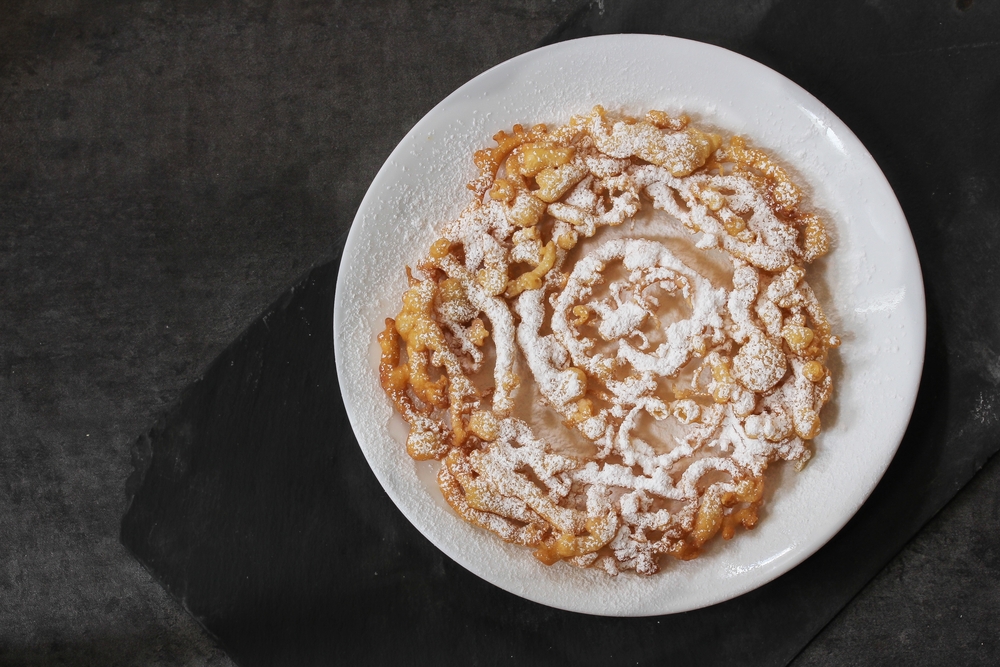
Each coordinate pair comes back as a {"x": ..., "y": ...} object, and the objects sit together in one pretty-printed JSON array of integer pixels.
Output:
[{"x": 254, "y": 506}]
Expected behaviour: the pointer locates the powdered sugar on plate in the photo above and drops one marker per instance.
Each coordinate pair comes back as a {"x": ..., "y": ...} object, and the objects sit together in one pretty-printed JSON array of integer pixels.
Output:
[{"x": 422, "y": 186}]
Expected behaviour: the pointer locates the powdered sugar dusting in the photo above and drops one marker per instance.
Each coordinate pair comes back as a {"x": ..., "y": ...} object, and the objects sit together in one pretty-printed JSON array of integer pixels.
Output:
[{"x": 404, "y": 206}]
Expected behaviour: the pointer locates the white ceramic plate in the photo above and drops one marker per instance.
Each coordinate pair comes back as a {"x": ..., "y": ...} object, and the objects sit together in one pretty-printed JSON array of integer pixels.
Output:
[{"x": 874, "y": 296}]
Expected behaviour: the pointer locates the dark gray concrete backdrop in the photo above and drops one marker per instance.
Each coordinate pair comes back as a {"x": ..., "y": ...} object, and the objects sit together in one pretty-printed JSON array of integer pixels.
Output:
[{"x": 126, "y": 266}]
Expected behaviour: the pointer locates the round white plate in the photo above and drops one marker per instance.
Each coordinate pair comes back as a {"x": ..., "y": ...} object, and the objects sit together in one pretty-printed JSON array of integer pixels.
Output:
[{"x": 870, "y": 285}]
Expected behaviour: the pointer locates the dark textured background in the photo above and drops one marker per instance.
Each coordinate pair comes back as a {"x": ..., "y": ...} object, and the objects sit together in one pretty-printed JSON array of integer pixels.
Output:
[{"x": 166, "y": 170}]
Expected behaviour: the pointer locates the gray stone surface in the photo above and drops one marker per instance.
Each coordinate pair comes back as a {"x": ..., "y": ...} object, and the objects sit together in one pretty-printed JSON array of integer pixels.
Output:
[
  {"x": 937, "y": 602},
  {"x": 125, "y": 268}
]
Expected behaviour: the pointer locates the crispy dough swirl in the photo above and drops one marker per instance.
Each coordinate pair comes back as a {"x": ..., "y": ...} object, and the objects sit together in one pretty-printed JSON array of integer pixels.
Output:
[{"x": 681, "y": 388}]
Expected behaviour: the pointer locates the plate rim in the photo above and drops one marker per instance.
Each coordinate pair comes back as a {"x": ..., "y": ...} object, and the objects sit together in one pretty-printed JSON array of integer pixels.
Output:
[{"x": 781, "y": 564}]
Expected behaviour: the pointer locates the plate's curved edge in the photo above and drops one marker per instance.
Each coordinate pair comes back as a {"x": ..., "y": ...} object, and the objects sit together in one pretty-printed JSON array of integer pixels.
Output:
[{"x": 780, "y": 565}]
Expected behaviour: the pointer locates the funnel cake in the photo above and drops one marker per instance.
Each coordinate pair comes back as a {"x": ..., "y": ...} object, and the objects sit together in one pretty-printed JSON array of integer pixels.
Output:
[{"x": 672, "y": 386}]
